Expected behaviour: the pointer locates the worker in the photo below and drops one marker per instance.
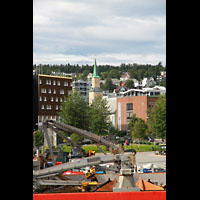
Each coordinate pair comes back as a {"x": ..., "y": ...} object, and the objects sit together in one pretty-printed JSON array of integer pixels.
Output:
[{"x": 126, "y": 143}]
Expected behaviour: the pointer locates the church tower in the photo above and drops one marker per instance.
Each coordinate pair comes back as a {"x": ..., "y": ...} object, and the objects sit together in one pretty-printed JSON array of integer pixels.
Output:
[{"x": 96, "y": 90}]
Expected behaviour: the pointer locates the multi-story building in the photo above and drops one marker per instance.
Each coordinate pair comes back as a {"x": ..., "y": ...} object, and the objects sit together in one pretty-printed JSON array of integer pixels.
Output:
[
  {"x": 127, "y": 106},
  {"x": 83, "y": 87},
  {"x": 155, "y": 91},
  {"x": 111, "y": 102},
  {"x": 49, "y": 93}
]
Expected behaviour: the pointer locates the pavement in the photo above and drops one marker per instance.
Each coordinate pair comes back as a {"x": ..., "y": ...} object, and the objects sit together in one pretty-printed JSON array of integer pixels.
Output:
[
  {"x": 149, "y": 157},
  {"x": 142, "y": 159}
]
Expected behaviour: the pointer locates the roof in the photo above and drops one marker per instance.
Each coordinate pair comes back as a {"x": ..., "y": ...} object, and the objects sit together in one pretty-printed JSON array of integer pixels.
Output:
[
  {"x": 50, "y": 76},
  {"x": 95, "y": 74}
]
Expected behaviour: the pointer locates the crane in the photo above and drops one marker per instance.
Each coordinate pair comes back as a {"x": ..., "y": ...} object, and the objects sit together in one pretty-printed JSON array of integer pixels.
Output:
[{"x": 58, "y": 127}]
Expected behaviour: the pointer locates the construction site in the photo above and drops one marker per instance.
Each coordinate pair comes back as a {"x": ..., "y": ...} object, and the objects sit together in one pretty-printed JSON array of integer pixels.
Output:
[{"x": 117, "y": 174}]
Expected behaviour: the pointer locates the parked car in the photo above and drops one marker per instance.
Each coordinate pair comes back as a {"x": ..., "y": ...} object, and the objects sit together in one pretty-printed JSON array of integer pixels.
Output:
[{"x": 130, "y": 150}]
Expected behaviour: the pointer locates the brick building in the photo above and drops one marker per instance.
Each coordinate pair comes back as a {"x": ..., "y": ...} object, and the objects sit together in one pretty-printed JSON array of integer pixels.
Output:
[
  {"x": 48, "y": 94},
  {"x": 126, "y": 106}
]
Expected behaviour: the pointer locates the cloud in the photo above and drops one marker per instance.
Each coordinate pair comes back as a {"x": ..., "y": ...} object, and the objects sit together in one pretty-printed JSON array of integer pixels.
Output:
[
  {"x": 84, "y": 27},
  {"x": 102, "y": 59}
]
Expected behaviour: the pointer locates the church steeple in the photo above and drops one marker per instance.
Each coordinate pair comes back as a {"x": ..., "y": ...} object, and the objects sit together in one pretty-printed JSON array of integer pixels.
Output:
[
  {"x": 95, "y": 74},
  {"x": 95, "y": 90}
]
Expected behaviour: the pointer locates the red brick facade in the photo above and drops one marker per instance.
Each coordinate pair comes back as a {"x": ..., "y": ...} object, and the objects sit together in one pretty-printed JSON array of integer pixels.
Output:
[{"x": 140, "y": 104}]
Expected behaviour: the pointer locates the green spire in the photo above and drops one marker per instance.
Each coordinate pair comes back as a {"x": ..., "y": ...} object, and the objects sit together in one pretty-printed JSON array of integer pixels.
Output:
[{"x": 95, "y": 74}]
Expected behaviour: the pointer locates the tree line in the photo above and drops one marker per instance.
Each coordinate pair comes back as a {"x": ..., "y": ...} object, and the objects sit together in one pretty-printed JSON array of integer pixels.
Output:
[{"x": 137, "y": 71}]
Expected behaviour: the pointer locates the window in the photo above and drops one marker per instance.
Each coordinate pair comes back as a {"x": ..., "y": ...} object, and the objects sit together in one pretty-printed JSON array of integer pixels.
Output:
[
  {"x": 42, "y": 107},
  {"x": 129, "y": 106},
  {"x": 65, "y": 83},
  {"x": 129, "y": 111},
  {"x": 61, "y": 91},
  {"x": 60, "y": 99},
  {"x": 43, "y": 90},
  {"x": 56, "y": 99},
  {"x": 69, "y": 92},
  {"x": 40, "y": 81},
  {"x": 48, "y": 82},
  {"x": 52, "y": 99},
  {"x": 54, "y": 82},
  {"x": 58, "y": 83},
  {"x": 56, "y": 107},
  {"x": 48, "y": 107},
  {"x": 49, "y": 90},
  {"x": 40, "y": 98},
  {"x": 54, "y": 91},
  {"x": 45, "y": 98}
]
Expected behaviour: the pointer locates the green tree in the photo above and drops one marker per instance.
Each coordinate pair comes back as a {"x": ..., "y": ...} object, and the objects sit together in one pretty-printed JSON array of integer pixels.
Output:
[
  {"x": 108, "y": 85},
  {"x": 99, "y": 116},
  {"x": 132, "y": 122},
  {"x": 38, "y": 138},
  {"x": 157, "y": 118},
  {"x": 77, "y": 139},
  {"x": 139, "y": 130},
  {"x": 130, "y": 84},
  {"x": 75, "y": 111}
]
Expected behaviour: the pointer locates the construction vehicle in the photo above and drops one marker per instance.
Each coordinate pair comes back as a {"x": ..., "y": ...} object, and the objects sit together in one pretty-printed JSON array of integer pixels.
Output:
[
  {"x": 50, "y": 176},
  {"x": 90, "y": 174}
]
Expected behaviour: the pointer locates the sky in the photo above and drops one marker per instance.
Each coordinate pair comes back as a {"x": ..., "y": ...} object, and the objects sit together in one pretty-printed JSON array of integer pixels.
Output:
[{"x": 112, "y": 31}]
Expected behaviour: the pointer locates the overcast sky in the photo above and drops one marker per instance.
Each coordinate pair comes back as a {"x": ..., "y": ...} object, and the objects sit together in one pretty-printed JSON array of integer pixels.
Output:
[{"x": 113, "y": 31}]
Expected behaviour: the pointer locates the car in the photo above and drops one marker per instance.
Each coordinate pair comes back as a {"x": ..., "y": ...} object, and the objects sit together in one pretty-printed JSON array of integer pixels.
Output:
[{"x": 130, "y": 150}]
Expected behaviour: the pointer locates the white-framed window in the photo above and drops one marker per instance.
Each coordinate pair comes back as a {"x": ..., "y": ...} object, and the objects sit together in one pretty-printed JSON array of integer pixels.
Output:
[
  {"x": 60, "y": 107},
  {"x": 56, "y": 99},
  {"x": 58, "y": 83},
  {"x": 56, "y": 107},
  {"x": 45, "y": 98},
  {"x": 48, "y": 82},
  {"x": 62, "y": 92},
  {"x": 48, "y": 107},
  {"x": 49, "y": 90},
  {"x": 65, "y": 83},
  {"x": 54, "y": 91},
  {"x": 52, "y": 99},
  {"x": 60, "y": 99},
  {"x": 69, "y": 92},
  {"x": 40, "y": 81},
  {"x": 40, "y": 98},
  {"x": 43, "y": 90},
  {"x": 42, "y": 107},
  {"x": 54, "y": 82}
]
